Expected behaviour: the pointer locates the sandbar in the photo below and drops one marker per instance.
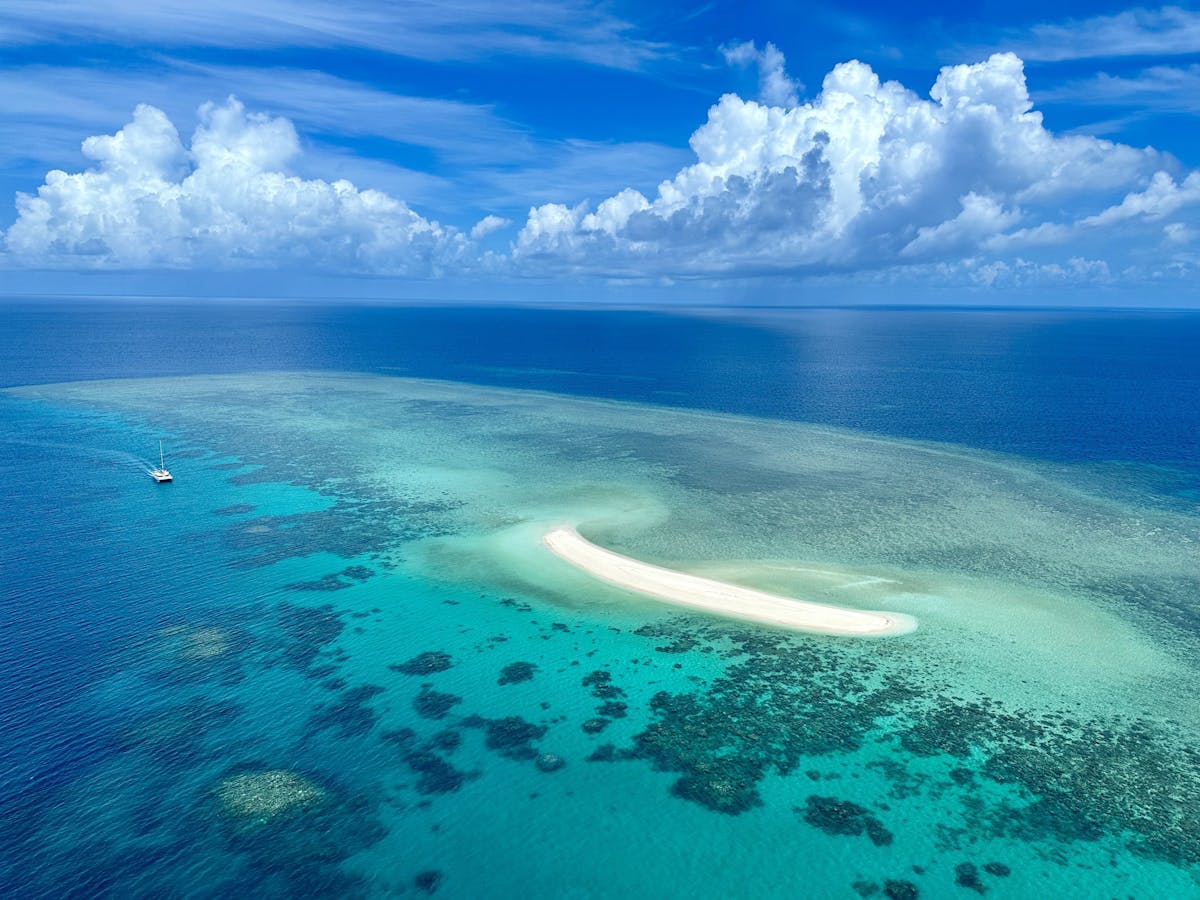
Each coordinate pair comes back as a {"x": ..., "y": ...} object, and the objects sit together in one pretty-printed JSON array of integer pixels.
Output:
[{"x": 719, "y": 597}]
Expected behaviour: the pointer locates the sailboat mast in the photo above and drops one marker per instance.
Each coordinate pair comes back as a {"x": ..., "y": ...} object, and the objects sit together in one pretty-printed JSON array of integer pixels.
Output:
[{"x": 161, "y": 463}]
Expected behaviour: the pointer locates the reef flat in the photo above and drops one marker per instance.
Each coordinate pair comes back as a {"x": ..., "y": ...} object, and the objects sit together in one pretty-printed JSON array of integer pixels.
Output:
[{"x": 364, "y": 673}]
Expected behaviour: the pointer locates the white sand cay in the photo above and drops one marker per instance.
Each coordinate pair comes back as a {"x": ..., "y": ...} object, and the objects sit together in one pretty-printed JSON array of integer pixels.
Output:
[{"x": 717, "y": 596}]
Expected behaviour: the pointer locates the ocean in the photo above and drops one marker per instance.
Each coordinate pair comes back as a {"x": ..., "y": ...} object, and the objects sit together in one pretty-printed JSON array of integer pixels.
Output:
[{"x": 332, "y": 658}]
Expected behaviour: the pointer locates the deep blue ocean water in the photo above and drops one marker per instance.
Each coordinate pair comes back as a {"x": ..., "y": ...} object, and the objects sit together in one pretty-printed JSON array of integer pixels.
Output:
[
  {"x": 102, "y": 572},
  {"x": 1066, "y": 384}
]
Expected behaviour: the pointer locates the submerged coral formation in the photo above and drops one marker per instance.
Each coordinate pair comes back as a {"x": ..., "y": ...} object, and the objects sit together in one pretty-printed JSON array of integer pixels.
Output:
[
  {"x": 431, "y": 704},
  {"x": 179, "y": 730},
  {"x": 427, "y": 663},
  {"x": 549, "y": 762},
  {"x": 293, "y": 830},
  {"x": 206, "y": 643},
  {"x": 348, "y": 715},
  {"x": 784, "y": 699},
  {"x": 514, "y": 673},
  {"x": 336, "y": 581},
  {"x": 843, "y": 817},
  {"x": 261, "y": 796},
  {"x": 435, "y": 774},
  {"x": 309, "y": 630}
]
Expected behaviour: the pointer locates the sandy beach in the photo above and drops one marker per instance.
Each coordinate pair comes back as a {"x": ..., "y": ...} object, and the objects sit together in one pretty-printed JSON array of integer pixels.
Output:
[{"x": 718, "y": 597}]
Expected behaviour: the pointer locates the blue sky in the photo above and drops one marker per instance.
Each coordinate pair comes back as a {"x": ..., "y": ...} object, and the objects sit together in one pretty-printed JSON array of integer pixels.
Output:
[{"x": 723, "y": 152}]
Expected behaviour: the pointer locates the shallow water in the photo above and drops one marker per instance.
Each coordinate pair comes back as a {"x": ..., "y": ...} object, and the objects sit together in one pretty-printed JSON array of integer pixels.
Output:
[{"x": 346, "y": 577}]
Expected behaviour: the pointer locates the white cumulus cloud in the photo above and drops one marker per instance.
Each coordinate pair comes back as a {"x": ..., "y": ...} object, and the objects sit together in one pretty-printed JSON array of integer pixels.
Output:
[
  {"x": 775, "y": 86},
  {"x": 487, "y": 225},
  {"x": 866, "y": 175},
  {"x": 867, "y": 180},
  {"x": 224, "y": 200},
  {"x": 1162, "y": 197}
]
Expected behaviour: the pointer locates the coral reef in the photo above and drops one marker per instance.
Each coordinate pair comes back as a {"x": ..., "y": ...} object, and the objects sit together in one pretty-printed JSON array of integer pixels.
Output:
[
  {"x": 309, "y": 630},
  {"x": 336, "y": 581},
  {"x": 549, "y": 762},
  {"x": 262, "y": 796},
  {"x": 514, "y": 673},
  {"x": 348, "y": 715},
  {"x": 431, "y": 704},
  {"x": 293, "y": 830},
  {"x": 842, "y": 817},
  {"x": 510, "y": 736},
  {"x": 783, "y": 699},
  {"x": 427, "y": 881},
  {"x": 899, "y": 889},
  {"x": 428, "y": 663}
]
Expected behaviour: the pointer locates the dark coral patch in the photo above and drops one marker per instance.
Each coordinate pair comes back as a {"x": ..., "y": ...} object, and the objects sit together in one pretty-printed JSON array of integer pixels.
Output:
[
  {"x": 549, "y": 762},
  {"x": 606, "y": 753},
  {"x": 180, "y": 731},
  {"x": 599, "y": 676},
  {"x": 843, "y": 817},
  {"x": 613, "y": 709},
  {"x": 595, "y": 726},
  {"x": 510, "y": 736},
  {"x": 427, "y": 881},
  {"x": 326, "y": 584},
  {"x": 967, "y": 875},
  {"x": 335, "y": 582},
  {"x": 353, "y": 527},
  {"x": 681, "y": 643},
  {"x": 999, "y": 869},
  {"x": 236, "y": 509},
  {"x": 724, "y": 786},
  {"x": 427, "y": 663},
  {"x": 447, "y": 741},
  {"x": 431, "y": 704},
  {"x": 362, "y": 693},
  {"x": 601, "y": 684},
  {"x": 401, "y": 737},
  {"x": 348, "y": 715},
  {"x": 435, "y": 775},
  {"x": 899, "y": 889},
  {"x": 309, "y": 630},
  {"x": 514, "y": 673}
]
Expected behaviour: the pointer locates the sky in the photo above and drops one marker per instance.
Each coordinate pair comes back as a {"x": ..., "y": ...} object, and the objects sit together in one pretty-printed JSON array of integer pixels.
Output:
[{"x": 979, "y": 153}]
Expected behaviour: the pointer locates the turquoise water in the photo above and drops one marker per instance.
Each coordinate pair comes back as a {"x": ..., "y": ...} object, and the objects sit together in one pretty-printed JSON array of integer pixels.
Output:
[{"x": 333, "y": 656}]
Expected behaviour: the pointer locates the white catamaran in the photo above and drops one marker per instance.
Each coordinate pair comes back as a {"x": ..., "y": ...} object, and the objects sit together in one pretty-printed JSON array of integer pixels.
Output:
[{"x": 160, "y": 474}]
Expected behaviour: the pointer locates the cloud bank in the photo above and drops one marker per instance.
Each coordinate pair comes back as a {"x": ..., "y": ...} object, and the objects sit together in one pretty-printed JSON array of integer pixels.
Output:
[
  {"x": 867, "y": 175},
  {"x": 225, "y": 201},
  {"x": 866, "y": 180}
]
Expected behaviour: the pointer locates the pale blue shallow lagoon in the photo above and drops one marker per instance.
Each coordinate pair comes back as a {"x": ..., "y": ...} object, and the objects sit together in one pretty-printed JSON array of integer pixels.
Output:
[{"x": 334, "y": 659}]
